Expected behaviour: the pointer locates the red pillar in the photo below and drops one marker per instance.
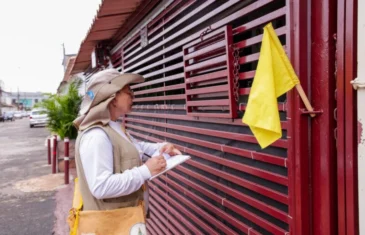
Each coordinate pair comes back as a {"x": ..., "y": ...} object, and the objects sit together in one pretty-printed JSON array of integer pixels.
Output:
[
  {"x": 67, "y": 160},
  {"x": 49, "y": 150},
  {"x": 323, "y": 83},
  {"x": 298, "y": 47},
  {"x": 54, "y": 155}
]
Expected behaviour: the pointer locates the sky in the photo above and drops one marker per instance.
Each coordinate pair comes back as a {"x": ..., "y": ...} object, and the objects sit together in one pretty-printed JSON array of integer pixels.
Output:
[{"x": 31, "y": 38}]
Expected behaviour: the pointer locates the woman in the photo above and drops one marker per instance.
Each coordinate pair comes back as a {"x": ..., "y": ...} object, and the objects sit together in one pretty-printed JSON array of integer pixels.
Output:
[{"x": 109, "y": 161}]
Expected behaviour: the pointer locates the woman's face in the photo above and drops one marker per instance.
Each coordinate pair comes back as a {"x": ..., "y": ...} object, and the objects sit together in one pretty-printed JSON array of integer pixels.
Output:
[{"x": 123, "y": 100}]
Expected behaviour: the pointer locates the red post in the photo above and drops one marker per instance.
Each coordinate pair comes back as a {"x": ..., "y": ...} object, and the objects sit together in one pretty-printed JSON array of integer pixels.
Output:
[
  {"x": 54, "y": 159},
  {"x": 67, "y": 160},
  {"x": 49, "y": 150},
  {"x": 323, "y": 137}
]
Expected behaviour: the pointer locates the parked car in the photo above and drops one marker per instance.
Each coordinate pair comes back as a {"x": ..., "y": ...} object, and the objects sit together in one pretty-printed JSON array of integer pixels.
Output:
[
  {"x": 2, "y": 118},
  {"x": 18, "y": 115},
  {"x": 37, "y": 117},
  {"x": 9, "y": 116}
]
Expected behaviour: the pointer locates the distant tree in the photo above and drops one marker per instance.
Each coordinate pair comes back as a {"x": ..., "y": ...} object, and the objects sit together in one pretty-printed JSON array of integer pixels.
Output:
[{"x": 62, "y": 110}]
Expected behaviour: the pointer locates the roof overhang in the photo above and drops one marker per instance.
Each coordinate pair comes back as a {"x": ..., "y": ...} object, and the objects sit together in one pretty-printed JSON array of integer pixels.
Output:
[{"x": 113, "y": 18}]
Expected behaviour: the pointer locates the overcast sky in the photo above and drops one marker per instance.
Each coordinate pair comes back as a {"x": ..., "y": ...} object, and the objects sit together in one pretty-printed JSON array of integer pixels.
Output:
[{"x": 31, "y": 37}]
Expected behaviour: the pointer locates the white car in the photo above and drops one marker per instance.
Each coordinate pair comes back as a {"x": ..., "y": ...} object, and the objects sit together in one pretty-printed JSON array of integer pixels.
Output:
[
  {"x": 18, "y": 115},
  {"x": 37, "y": 117}
]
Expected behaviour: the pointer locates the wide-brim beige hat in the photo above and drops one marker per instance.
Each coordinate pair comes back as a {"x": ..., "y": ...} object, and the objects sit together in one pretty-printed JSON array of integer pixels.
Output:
[
  {"x": 101, "y": 90},
  {"x": 104, "y": 84}
]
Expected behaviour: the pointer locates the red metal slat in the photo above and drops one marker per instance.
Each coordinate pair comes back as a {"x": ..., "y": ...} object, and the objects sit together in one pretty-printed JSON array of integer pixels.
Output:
[
  {"x": 209, "y": 50},
  {"x": 278, "y": 214},
  {"x": 244, "y": 91},
  {"x": 182, "y": 20},
  {"x": 260, "y": 21},
  {"x": 156, "y": 192},
  {"x": 207, "y": 64},
  {"x": 172, "y": 16},
  {"x": 166, "y": 30},
  {"x": 242, "y": 182},
  {"x": 222, "y": 134},
  {"x": 180, "y": 219},
  {"x": 207, "y": 103},
  {"x": 165, "y": 88},
  {"x": 170, "y": 221},
  {"x": 154, "y": 212},
  {"x": 237, "y": 151},
  {"x": 214, "y": 26},
  {"x": 226, "y": 203},
  {"x": 160, "y": 80},
  {"x": 276, "y": 178},
  {"x": 160, "y": 106},
  {"x": 210, "y": 115},
  {"x": 247, "y": 75},
  {"x": 253, "y": 155},
  {"x": 160, "y": 62},
  {"x": 282, "y": 107},
  {"x": 158, "y": 224},
  {"x": 219, "y": 212},
  {"x": 249, "y": 58},
  {"x": 157, "y": 98},
  {"x": 234, "y": 122},
  {"x": 215, "y": 222},
  {"x": 258, "y": 39},
  {"x": 206, "y": 77},
  {"x": 155, "y": 227},
  {"x": 223, "y": 94},
  {"x": 212, "y": 89},
  {"x": 150, "y": 229},
  {"x": 163, "y": 13},
  {"x": 131, "y": 47},
  {"x": 190, "y": 26},
  {"x": 164, "y": 70}
]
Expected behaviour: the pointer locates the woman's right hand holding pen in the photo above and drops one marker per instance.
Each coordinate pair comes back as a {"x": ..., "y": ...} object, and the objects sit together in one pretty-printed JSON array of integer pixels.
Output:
[{"x": 156, "y": 165}]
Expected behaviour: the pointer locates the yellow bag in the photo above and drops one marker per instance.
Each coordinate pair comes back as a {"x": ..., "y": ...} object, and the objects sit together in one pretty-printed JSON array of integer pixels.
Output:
[{"x": 124, "y": 221}]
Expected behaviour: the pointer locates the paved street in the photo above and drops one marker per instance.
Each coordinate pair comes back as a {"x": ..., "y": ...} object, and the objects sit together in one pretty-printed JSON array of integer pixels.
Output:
[{"x": 25, "y": 209}]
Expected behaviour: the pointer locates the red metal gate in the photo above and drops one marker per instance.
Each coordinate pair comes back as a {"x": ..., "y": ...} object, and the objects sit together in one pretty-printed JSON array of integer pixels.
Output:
[{"x": 346, "y": 118}]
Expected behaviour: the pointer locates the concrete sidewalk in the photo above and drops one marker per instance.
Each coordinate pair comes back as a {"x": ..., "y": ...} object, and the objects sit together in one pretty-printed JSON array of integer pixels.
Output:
[{"x": 32, "y": 200}]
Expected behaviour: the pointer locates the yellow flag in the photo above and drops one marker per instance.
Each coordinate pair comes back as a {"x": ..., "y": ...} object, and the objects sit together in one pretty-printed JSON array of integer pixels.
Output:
[{"x": 274, "y": 77}]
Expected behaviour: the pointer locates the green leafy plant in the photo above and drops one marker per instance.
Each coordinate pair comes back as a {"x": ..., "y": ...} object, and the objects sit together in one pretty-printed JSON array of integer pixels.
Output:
[{"x": 63, "y": 109}]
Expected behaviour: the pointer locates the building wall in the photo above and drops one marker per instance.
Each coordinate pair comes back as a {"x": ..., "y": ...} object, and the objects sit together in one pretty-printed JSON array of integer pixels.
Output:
[
  {"x": 231, "y": 185},
  {"x": 29, "y": 99}
]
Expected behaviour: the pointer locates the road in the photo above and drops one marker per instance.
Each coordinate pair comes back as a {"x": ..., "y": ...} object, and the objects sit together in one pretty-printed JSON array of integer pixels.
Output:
[{"x": 27, "y": 203}]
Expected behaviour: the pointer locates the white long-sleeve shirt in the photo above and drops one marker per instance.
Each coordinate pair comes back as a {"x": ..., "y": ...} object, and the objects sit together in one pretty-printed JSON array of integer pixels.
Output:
[{"x": 96, "y": 153}]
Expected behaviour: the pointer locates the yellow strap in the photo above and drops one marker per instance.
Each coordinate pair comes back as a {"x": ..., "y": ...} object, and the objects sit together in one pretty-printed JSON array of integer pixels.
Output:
[{"x": 75, "y": 211}]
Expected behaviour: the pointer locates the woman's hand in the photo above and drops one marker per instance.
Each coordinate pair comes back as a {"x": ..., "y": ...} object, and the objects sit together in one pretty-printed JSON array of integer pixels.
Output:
[
  {"x": 170, "y": 149},
  {"x": 156, "y": 165}
]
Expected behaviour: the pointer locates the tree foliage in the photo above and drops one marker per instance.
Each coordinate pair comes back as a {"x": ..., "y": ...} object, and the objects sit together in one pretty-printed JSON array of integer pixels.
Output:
[{"x": 62, "y": 110}]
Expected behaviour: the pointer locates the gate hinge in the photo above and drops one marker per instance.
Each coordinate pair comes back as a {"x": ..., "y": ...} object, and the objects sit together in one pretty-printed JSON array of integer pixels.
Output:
[
  {"x": 358, "y": 83},
  {"x": 304, "y": 111}
]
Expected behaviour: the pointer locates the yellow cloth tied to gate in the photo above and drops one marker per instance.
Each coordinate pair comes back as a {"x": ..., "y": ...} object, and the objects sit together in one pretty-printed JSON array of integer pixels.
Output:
[
  {"x": 123, "y": 221},
  {"x": 274, "y": 77}
]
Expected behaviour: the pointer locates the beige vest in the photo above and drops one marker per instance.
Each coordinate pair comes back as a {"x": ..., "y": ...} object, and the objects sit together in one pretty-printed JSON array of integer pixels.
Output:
[{"x": 126, "y": 156}]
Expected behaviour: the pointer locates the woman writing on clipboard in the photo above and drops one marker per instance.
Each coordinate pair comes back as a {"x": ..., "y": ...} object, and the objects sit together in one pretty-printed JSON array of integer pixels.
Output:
[{"x": 109, "y": 162}]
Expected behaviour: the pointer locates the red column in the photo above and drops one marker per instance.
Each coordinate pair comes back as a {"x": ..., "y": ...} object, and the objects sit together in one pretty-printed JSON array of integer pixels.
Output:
[
  {"x": 323, "y": 83},
  {"x": 54, "y": 155},
  {"x": 49, "y": 150},
  {"x": 67, "y": 160},
  {"x": 298, "y": 47}
]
